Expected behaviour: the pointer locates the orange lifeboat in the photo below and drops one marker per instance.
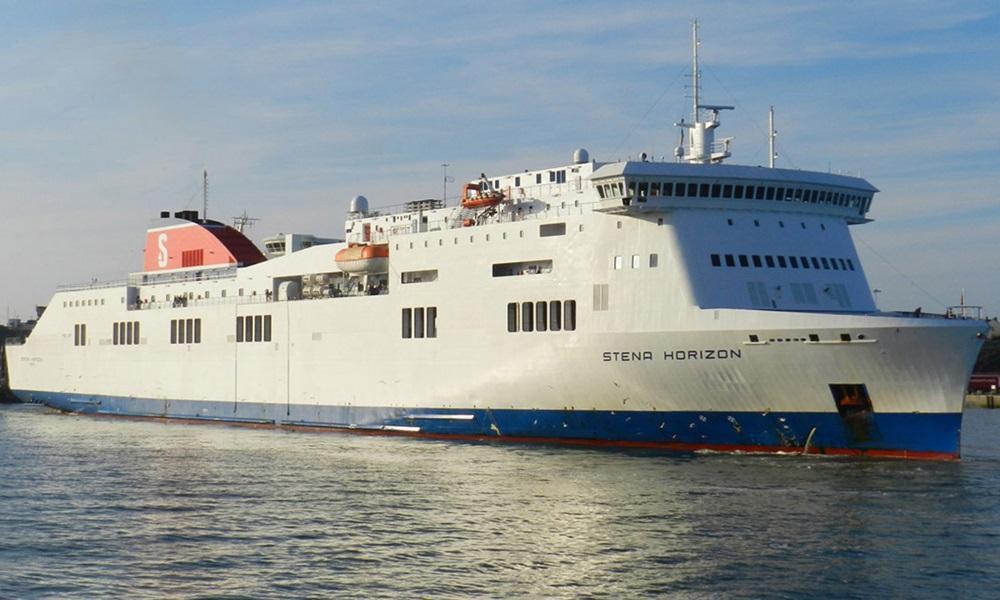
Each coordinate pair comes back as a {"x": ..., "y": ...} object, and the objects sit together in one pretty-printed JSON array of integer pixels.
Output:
[
  {"x": 479, "y": 195},
  {"x": 364, "y": 258}
]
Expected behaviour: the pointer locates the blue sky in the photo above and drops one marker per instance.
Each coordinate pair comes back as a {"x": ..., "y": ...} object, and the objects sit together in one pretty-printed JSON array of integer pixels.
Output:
[{"x": 109, "y": 112}]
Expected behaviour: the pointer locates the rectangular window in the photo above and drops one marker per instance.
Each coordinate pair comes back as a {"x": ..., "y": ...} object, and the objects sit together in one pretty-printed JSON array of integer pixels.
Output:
[
  {"x": 815, "y": 262},
  {"x": 716, "y": 260},
  {"x": 654, "y": 188},
  {"x": 779, "y": 194},
  {"x": 114, "y": 336},
  {"x": 569, "y": 315},
  {"x": 135, "y": 332},
  {"x": 517, "y": 182},
  {"x": 432, "y": 316},
  {"x": 197, "y": 331},
  {"x": 716, "y": 190},
  {"x": 760, "y": 192},
  {"x": 636, "y": 261},
  {"x": 83, "y": 334},
  {"x": 843, "y": 264},
  {"x": 805, "y": 261},
  {"x": 770, "y": 261},
  {"x": 189, "y": 328},
  {"x": 418, "y": 322},
  {"x": 833, "y": 263},
  {"x": 418, "y": 276},
  {"x": 555, "y": 315},
  {"x": 512, "y": 317},
  {"x": 654, "y": 261},
  {"x": 248, "y": 329},
  {"x": 619, "y": 262},
  {"x": 541, "y": 316},
  {"x": 239, "y": 330},
  {"x": 173, "y": 331},
  {"x": 407, "y": 323},
  {"x": 730, "y": 260},
  {"x": 727, "y": 191},
  {"x": 600, "y": 191},
  {"x": 850, "y": 264},
  {"x": 128, "y": 333},
  {"x": 756, "y": 260},
  {"x": 826, "y": 263},
  {"x": 749, "y": 194},
  {"x": 527, "y": 316},
  {"x": 679, "y": 191},
  {"x": 794, "y": 261},
  {"x": 692, "y": 190},
  {"x": 551, "y": 229},
  {"x": 703, "y": 190},
  {"x": 643, "y": 191},
  {"x": 527, "y": 267},
  {"x": 738, "y": 192},
  {"x": 181, "y": 338},
  {"x": 76, "y": 334},
  {"x": 743, "y": 261},
  {"x": 668, "y": 188},
  {"x": 782, "y": 263},
  {"x": 258, "y": 328},
  {"x": 538, "y": 177}
]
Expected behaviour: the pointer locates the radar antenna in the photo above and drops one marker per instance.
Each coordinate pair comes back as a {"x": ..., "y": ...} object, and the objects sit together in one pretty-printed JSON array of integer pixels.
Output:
[
  {"x": 204, "y": 196},
  {"x": 702, "y": 147}
]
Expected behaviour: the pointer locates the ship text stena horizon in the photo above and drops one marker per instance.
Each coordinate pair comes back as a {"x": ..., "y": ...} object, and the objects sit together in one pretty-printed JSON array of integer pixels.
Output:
[{"x": 684, "y": 305}]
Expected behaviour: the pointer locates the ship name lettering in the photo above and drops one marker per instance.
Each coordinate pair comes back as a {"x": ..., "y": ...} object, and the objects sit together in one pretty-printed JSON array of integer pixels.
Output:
[
  {"x": 709, "y": 354},
  {"x": 626, "y": 356}
]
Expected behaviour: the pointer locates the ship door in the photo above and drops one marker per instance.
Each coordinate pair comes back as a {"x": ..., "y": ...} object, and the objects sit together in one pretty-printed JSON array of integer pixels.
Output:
[{"x": 856, "y": 413}]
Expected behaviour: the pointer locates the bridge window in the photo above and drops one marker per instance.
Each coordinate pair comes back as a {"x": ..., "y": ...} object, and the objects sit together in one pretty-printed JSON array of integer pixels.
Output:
[
  {"x": 668, "y": 189},
  {"x": 743, "y": 261},
  {"x": 692, "y": 190},
  {"x": 770, "y": 261},
  {"x": 738, "y": 192},
  {"x": 716, "y": 190},
  {"x": 794, "y": 261},
  {"x": 805, "y": 262},
  {"x": 730, "y": 262},
  {"x": 716, "y": 262},
  {"x": 727, "y": 191},
  {"x": 703, "y": 190},
  {"x": 756, "y": 261}
]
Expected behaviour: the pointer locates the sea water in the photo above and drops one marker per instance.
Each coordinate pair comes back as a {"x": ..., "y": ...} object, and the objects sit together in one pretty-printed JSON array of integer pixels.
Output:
[{"x": 93, "y": 507}]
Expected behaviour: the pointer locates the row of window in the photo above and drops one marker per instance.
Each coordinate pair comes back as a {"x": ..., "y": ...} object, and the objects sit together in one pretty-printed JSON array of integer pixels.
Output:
[
  {"x": 74, "y": 303},
  {"x": 185, "y": 331},
  {"x": 619, "y": 262},
  {"x": 554, "y": 315},
  {"x": 420, "y": 322},
  {"x": 782, "y": 262},
  {"x": 253, "y": 329},
  {"x": 125, "y": 333},
  {"x": 640, "y": 190},
  {"x": 80, "y": 334}
]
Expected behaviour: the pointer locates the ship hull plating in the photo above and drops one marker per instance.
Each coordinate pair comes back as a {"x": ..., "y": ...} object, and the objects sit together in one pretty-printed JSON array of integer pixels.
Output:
[{"x": 925, "y": 436}]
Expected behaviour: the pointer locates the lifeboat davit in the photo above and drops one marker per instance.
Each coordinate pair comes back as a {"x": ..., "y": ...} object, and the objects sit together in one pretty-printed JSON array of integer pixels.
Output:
[
  {"x": 479, "y": 195},
  {"x": 364, "y": 258}
]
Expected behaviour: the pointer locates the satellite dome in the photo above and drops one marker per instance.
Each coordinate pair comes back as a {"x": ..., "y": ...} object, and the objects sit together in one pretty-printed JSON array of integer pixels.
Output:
[
  {"x": 359, "y": 204},
  {"x": 580, "y": 156}
]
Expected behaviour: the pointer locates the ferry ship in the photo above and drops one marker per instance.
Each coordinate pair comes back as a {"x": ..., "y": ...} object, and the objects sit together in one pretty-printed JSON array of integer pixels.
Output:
[{"x": 684, "y": 304}]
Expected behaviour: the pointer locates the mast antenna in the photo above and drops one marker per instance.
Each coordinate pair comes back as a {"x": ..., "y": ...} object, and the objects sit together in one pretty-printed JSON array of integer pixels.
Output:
[
  {"x": 771, "y": 134},
  {"x": 695, "y": 74},
  {"x": 244, "y": 222},
  {"x": 204, "y": 196}
]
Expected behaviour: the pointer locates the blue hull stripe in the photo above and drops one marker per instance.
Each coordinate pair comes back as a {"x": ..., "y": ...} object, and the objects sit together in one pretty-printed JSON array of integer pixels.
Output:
[{"x": 897, "y": 433}]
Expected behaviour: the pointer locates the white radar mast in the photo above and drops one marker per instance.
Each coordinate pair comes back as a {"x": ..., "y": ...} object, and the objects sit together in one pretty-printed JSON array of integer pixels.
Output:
[{"x": 702, "y": 147}]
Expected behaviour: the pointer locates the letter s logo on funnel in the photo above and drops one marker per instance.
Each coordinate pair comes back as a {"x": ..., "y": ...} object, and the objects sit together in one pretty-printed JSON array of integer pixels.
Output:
[{"x": 161, "y": 256}]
